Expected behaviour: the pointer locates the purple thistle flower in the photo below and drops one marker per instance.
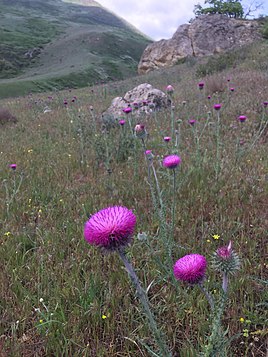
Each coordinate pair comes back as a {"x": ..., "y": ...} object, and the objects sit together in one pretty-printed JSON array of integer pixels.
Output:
[
  {"x": 201, "y": 85},
  {"x": 167, "y": 138},
  {"x": 110, "y": 228},
  {"x": 225, "y": 252},
  {"x": 136, "y": 105},
  {"x": 13, "y": 166},
  {"x": 209, "y": 96},
  {"x": 127, "y": 110},
  {"x": 171, "y": 161},
  {"x": 217, "y": 106},
  {"x": 265, "y": 104},
  {"x": 242, "y": 118},
  {"x": 139, "y": 128},
  {"x": 122, "y": 122},
  {"x": 192, "y": 122},
  {"x": 191, "y": 268},
  {"x": 169, "y": 89},
  {"x": 232, "y": 89}
]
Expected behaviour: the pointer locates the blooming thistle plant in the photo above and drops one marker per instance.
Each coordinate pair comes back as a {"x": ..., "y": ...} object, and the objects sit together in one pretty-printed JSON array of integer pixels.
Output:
[
  {"x": 191, "y": 269},
  {"x": 169, "y": 89},
  {"x": 112, "y": 229}
]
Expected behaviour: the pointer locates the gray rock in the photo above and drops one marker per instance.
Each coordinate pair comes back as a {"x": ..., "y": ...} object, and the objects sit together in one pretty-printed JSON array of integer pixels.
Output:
[
  {"x": 206, "y": 35},
  {"x": 143, "y": 99}
]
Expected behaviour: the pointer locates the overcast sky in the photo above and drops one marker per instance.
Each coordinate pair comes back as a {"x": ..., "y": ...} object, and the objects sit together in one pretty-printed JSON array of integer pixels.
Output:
[{"x": 158, "y": 18}]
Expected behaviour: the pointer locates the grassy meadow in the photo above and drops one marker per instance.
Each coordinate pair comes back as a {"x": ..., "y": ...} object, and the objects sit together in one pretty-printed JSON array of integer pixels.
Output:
[{"x": 59, "y": 296}]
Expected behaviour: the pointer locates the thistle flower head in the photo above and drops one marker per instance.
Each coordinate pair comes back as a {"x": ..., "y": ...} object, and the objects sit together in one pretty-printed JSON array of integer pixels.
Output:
[
  {"x": 265, "y": 104},
  {"x": 122, "y": 122},
  {"x": 167, "y": 138},
  {"x": 127, "y": 110},
  {"x": 169, "y": 89},
  {"x": 171, "y": 161},
  {"x": 191, "y": 268},
  {"x": 13, "y": 166},
  {"x": 226, "y": 260},
  {"x": 111, "y": 228},
  {"x": 217, "y": 106},
  {"x": 242, "y": 118},
  {"x": 201, "y": 85},
  {"x": 192, "y": 122},
  {"x": 232, "y": 89},
  {"x": 140, "y": 131}
]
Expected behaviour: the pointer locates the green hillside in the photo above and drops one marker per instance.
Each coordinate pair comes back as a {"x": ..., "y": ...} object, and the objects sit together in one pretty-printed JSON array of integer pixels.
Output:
[{"x": 54, "y": 44}]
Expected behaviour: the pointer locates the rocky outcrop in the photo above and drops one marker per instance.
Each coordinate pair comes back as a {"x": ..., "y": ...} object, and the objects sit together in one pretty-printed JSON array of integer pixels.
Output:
[
  {"x": 206, "y": 35},
  {"x": 142, "y": 99}
]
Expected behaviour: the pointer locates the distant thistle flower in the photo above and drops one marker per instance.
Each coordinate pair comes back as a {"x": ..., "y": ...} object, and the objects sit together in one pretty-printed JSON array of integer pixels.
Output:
[
  {"x": 110, "y": 228},
  {"x": 139, "y": 128},
  {"x": 171, "y": 161},
  {"x": 265, "y": 104},
  {"x": 191, "y": 268},
  {"x": 149, "y": 155},
  {"x": 169, "y": 89},
  {"x": 127, "y": 110},
  {"x": 201, "y": 85},
  {"x": 217, "y": 106},
  {"x": 122, "y": 122},
  {"x": 232, "y": 89},
  {"x": 192, "y": 122},
  {"x": 167, "y": 138},
  {"x": 209, "y": 96},
  {"x": 242, "y": 118},
  {"x": 140, "y": 131},
  {"x": 13, "y": 166}
]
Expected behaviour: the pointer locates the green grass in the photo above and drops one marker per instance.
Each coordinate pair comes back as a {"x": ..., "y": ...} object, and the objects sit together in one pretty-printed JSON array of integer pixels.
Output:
[{"x": 62, "y": 159}]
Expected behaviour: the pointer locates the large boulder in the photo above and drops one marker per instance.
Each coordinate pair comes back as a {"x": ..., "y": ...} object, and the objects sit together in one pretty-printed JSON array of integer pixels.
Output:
[
  {"x": 142, "y": 99},
  {"x": 206, "y": 35}
]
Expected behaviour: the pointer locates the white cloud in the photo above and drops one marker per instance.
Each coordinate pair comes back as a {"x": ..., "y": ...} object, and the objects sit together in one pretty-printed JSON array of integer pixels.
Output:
[
  {"x": 159, "y": 18},
  {"x": 156, "y": 18}
]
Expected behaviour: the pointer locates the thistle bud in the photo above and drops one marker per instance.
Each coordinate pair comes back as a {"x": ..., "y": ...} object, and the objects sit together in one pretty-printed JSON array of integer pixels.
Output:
[{"x": 225, "y": 260}]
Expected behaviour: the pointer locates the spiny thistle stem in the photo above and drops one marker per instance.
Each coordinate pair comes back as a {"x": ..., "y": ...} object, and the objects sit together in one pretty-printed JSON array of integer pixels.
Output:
[
  {"x": 225, "y": 282},
  {"x": 145, "y": 303},
  {"x": 216, "y": 337},
  {"x": 158, "y": 188},
  {"x": 217, "y": 169},
  {"x": 174, "y": 204},
  {"x": 207, "y": 294}
]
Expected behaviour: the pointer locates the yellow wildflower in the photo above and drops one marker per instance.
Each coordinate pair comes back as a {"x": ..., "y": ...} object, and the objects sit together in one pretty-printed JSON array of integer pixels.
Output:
[{"x": 215, "y": 236}]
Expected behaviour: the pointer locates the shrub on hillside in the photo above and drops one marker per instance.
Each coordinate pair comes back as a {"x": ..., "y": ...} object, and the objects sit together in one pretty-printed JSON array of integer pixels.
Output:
[
  {"x": 265, "y": 30},
  {"x": 6, "y": 117}
]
